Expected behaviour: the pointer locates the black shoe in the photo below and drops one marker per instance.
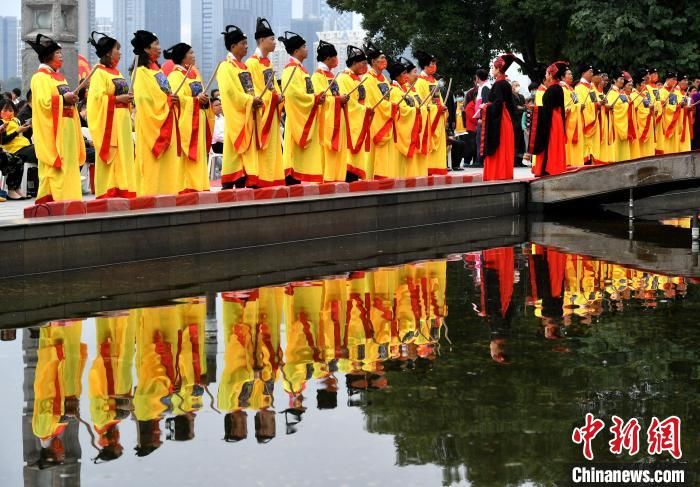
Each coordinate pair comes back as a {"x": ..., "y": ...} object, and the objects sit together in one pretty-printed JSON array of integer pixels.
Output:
[{"x": 457, "y": 169}]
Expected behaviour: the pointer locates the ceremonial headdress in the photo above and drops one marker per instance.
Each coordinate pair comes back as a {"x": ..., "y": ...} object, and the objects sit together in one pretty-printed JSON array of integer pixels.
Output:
[
  {"x": 177, "y": 52},
  {"x": 263, "y": 29},
  {"x": 142, "y": 40},
  {"x": 671, "y": 74},
  {"x": 325, "y": 50},
  {"x": 557, "y": 69},
  {"x": 372, "y": 51},
  {"x": 232, "y": 36},
  {"x": 292, "y": 41},
  {"x": 504, "y": 61},
  {"x": 584, "y": 67},
  {"x": 102, "y": 45},
  {"x": 407, "y": 62},
  {"x": 355, "y": 55},
  {"x": 396, "y": 69},
  {"x": 44, "y": 46},
  {"x": 424, "y": 59}
]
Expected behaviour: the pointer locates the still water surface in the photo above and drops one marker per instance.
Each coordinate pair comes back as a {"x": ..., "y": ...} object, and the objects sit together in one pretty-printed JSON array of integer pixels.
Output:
[{"x": 471, "y": 370}]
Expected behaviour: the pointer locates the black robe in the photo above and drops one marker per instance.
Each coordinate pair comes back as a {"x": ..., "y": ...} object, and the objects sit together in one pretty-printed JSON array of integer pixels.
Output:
[{"x": 501, "y": 93}]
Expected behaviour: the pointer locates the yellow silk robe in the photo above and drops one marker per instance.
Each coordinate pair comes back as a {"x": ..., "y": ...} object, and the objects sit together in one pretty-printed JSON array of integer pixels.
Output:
[
  {"x": 358, "y": 123},
  {"x": 685, "y": 124},
  {"x": 158, "y": 153},
  {"x": 58, "y": 140},
  {"x": 588, "y": 113},
  {"x": 271, "y": 169},
  {"x": 574, "y": 127},
  {"x": 437, "y": 157},
  {"x": 658, "y": 96},
  {"x": 61, "y": 359},
  {"x": 237, "y": 93},
  {"x": 196, "y": 125},
  {"x": 603, "y": 155},
  {"x": 332, "y": 127},
  {"x": 303, "y": 150},
  {"x": 618, "y": 126},
  {"x": 112, "y": 135},
  {"x": 382, "y": 160},
  {"x": 408, "y": 130},
  {"x": 634, "y": 124},
  {"x": 645, "y": 124},
  {"x": 672, "y": 118}
]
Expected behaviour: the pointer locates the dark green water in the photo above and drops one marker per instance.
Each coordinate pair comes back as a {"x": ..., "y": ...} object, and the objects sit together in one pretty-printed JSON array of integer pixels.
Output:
[{"x": 472, "y": 371}]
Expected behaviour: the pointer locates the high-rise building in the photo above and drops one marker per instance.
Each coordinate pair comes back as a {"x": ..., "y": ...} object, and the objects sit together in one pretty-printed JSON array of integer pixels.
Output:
[
  {"x": 281, "y": 16},
  {"x": 86, "y": 24},
  {"x": 161, "y": 17},
  {"x": 341, "y": 39},
  {"x": 311, "y": 9},
  {"x": 308, "y": 29},
  {"x": 8, "y": 47},
  {"x": 333, "y": 19},
  {"x": 210, "y": 17}
]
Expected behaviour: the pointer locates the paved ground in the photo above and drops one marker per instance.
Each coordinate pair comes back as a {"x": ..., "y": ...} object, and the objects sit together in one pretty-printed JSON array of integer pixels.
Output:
[{"x": 10, "y": 210}]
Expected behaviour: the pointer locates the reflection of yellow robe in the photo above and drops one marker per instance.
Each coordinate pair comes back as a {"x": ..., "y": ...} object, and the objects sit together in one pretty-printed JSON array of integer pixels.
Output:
[
  {"x": 110, "y": 128},
  {"x": 59, "y": 369},
  {"x": 303, "y": 151},
  {"x": 331, "y": 332},
  {"x": 157, "y": 151},
  {"x": 588, "y": 113},
  {"x": 303, "y": 312},
  {"x": 382, "y": 160},
  {"x": 111, "y": 373},
  {"x": 237, "y": 93},
  {"x": 358, "y": 123},
  {"x": 437, "y": 158},
  {"x": 574, "y": 128},
  {"x": 196, "y": 126},
  {"x": 618, "y": 126},
  {"x": 408, "y": 127},
  {"x": 156, "y": 350},
  {"x": 332, "y": 128},
  {"x": 271, "y": 169},
  {"x": 58, "y": 140},
  {"x": 359, "y": 323},
  {"x": 235, "y": 385}
]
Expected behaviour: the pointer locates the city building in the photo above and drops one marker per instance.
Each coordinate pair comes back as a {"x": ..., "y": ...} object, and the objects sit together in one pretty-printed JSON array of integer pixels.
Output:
[{"x": 8, "y": 47}]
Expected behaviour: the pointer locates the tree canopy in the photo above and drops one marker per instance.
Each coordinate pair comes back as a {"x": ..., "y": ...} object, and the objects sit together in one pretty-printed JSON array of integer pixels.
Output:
[{"x": 467, "y": 34}]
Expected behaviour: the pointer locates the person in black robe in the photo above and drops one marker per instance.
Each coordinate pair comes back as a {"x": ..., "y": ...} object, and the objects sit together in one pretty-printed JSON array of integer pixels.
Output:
[{"x": 548, "y": 139}]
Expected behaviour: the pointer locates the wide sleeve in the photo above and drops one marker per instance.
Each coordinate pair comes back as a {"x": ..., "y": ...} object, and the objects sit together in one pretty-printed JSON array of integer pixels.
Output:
[
  {"x": 301, "y": 106},
  {"x": 153, "y": 111},
  {"x": 552, "y": 99},
  {"x": 493, "y": 112},
  {"x": 671, "y": 112},
  {"x": 643, "y": 105},
  {"x": 100, "y": 115},
  {"x": 237, "y": 107},
  {"x": 384, "y": 112},
  {"x": 47, "y": 107},
  {"x": 188, "y": 118},
  {"x": 359, "y": 116},
  {"x": 265, "y": 117},
  {"x": 620, "y": 117},
  {"x": 407, "y": 126}
]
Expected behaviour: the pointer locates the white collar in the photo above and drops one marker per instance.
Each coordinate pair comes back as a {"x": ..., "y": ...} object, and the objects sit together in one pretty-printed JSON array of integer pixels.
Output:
[
  {"x": 323, "y": 66},
  {"x": 259, "y": 53},
  {"x": 46, "y": 66},
  {"x": 295, "y": 60},
  {"x": 583, "y": 80}
]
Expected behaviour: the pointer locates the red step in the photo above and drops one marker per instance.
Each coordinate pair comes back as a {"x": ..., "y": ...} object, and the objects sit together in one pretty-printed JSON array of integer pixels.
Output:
[
  {"x": 197, "y": 198},
  {"x": 103, "y": 205},
  {"x": 272, "y": 192},
  {"x": 304, "y": 190},
  {"x": 56, "y": 208},
  {"x": 159, "y": 201}
]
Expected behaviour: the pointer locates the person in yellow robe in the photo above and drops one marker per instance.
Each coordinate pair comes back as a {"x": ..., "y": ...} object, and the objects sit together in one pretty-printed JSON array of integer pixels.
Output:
[
  {"x": 382, "y": 159},
  {"x": 61, "y": 358},
  {"x": 603, "y": 150},
  {"x": 58, "y": 140},
  {"x": 195, "y": 118},
  {"x": 644, "y": 107},
  {"x": 630, "y": 90},
  {"x": 427, "y": 86},
  {"x": 588, "y": 112},
  {"x": 109, "y": 120},
  {"x": 685, "y": 123},
  {"x": 333, "y": 120},
  {"x": 158, "y": 149},
  {"x": 303, "y": 150},
  {"x": 239, "y": 104},
  {"x": 271, "y": 169},
  {"x": 359, "y": 115},
  {"x": 618, "y": 119},
  {"x": 408, "y": 123},
  {"x": 573, "y": 125},
  {"x": 671, "y": 100},
  {"x": 657, "y": 99},
  {"x": 110, "y": 380}
]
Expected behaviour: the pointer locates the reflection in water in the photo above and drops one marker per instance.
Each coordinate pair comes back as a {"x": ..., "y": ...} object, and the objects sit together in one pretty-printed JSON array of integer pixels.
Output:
[{"x": 151, "y": 369}]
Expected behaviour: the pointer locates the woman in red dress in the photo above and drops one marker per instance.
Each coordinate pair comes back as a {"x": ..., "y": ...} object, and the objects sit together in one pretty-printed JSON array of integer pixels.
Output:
[
  {"x": 548, "y": 139},
  {"x": 497, "y": 138}
]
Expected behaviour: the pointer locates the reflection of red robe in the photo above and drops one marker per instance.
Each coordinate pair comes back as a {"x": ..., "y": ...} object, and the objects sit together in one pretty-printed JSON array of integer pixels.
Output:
[
  {"x": 547, "y": 272},
  {"x": 501, "y": 260}
]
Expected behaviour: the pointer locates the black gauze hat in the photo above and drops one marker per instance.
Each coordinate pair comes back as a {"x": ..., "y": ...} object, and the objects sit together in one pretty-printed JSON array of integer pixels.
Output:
[
  {"x": 102, "y": 45},
  {"x": 407, "y": 62},
  {"x": 142, "y": 40},
  {"x": 292, "y": 41},
  {"x": 44, "y": 46},
  {"x": 424, "y": 59},
  {"x": 372, "y": 51},
  {"x": 232, "y": 36},
  {"x": 583, "y": 67},
  {"x": 354, "y": 55},
  {"x": 325, "y": 50},
  {"x": 263, "y": 29},
  {"x": 177, "y": 52},
  {"x": 396, "y": 69}
]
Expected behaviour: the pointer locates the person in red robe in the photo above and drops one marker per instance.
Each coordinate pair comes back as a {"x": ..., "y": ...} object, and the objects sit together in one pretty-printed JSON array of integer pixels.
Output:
[
  {"x": 548, "y": 137},
  {"x": 497, "y": 138}
]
